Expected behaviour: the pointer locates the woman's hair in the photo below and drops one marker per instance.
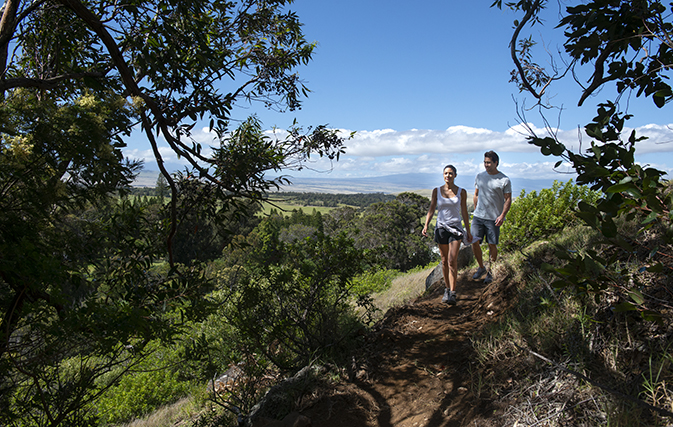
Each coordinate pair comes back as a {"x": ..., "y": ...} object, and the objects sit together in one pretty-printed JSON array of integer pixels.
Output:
[
  {"x": 455, "y": 172},
  {"x": 493, "y": 156}
]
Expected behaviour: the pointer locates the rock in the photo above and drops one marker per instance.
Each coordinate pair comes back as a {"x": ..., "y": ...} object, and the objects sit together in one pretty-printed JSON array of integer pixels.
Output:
[
  {"x": 227, "y": 381},
  {"x": 280, "y": 399},
  {"x": 434, "y": 277},
  {"x": 465, "y": 256}
]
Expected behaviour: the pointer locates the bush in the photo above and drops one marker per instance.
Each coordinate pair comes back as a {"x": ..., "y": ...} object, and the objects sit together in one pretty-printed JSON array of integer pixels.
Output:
[
  {"x": 374, "y": 281},
  {"x": 535, "y": 216},
  {"x": 141, "y": 393},
  {"x": 301, "y": 309}
]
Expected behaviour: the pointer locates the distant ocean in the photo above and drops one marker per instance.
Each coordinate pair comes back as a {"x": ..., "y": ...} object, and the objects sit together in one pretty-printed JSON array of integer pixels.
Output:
[
  {"x": 402, "y": 182},
  {"x": 389, "y": 184}
]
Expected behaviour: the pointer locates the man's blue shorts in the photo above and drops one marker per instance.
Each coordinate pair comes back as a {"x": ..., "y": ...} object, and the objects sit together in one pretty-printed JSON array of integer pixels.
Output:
[{"x": 485, "y": 228}]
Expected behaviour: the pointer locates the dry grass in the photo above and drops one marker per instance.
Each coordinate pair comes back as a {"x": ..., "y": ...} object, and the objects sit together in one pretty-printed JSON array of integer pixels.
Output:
[
  {"x": 180, "y": 413},
  {"x": 625, "y": 357},
  {"x": 403, "y": 289}
]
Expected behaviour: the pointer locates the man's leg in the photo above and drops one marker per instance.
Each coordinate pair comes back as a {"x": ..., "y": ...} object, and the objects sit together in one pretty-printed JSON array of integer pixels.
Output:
[
  {"x": 492, "y": 252},
  {"x": 493, "y": 235},
  {"x": 492, "y": 258},
  {"x": 478, "y": 231}
]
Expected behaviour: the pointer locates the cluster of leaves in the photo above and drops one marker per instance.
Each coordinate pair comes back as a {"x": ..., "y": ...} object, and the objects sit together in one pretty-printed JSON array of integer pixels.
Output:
[
  {"x": 534, "y": 216},
  {"x": 627, "y": 43},
  {"x": 79, "y": 275},
  {"x": 390, "y": 231},
  {"x": 300, "y": 307},
  {"x": 629, "y": 192},
  {"x": 374, "y": 280}
]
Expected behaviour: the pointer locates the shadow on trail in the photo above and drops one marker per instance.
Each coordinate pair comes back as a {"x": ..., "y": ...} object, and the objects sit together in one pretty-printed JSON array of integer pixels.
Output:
[{"x": 419, "y": 361}]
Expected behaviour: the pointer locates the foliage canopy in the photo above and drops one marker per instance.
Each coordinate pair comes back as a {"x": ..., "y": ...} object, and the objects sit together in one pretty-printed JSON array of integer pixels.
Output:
[
  {"x": 627, "y": 43},
  {"x": 82, "y": 287}
]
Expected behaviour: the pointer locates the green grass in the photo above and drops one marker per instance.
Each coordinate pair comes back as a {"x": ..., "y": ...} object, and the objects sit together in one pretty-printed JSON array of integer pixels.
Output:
[{"x": 286, "y": 207}]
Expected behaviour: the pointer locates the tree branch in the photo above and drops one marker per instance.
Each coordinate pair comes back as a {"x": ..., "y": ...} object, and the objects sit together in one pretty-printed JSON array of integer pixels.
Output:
[
  {"x": 46, "y": 84},
  {"x": 534, "y": 7}
]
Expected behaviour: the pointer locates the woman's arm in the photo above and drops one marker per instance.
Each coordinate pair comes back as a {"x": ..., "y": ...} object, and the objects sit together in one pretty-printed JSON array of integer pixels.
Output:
[
  {"x": 431, "y": 212},
  {"x": 463, "y": 210}
]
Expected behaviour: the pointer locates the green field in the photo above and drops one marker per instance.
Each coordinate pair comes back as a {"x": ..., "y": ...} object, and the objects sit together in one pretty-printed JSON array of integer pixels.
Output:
[{"x": 285, "y": 207}]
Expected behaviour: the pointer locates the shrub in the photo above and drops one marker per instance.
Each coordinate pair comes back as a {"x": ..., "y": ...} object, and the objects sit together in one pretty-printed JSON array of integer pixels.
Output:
[
  {"x": 373, "y": 281},
  {"x": 535, "y": 216},
  {"x": 301, "y": 309},
  {"x": 140, "y": 393}
]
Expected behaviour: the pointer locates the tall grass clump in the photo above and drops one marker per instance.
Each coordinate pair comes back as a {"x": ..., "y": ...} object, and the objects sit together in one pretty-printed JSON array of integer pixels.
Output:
[{"x": 558, "y": 350}]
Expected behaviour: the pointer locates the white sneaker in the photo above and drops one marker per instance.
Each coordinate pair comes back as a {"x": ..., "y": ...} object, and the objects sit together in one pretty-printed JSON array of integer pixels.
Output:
[{"x": 488, "y": 278}]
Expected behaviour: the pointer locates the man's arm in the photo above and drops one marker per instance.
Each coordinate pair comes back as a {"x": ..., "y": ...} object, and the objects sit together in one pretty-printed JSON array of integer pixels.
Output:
[
  {"x": 475, "y": 197},
  {"x": 505, "y": 208}
]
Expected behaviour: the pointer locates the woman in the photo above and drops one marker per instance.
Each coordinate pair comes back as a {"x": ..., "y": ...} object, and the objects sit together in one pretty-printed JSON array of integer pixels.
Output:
[{"x": 451, "y": 203}]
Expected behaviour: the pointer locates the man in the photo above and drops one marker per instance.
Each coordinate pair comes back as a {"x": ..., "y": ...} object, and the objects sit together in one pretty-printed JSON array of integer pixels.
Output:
[{"x": 492, "y": 200}]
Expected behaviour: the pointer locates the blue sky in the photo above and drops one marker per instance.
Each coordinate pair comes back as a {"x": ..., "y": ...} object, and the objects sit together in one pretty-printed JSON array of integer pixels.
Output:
[{"x": 427, "y": 84}]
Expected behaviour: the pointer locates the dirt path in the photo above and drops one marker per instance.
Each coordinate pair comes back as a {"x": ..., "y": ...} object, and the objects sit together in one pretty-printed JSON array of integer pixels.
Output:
[{"x": 415, "y": 368}]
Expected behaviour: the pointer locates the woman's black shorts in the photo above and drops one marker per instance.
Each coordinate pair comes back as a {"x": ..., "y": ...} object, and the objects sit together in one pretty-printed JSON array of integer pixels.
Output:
[{"x": 444, "y": 236}]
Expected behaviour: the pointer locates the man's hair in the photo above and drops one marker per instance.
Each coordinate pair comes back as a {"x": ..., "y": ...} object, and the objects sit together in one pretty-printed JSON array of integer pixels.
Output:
[{"x": 493, "y": 156}]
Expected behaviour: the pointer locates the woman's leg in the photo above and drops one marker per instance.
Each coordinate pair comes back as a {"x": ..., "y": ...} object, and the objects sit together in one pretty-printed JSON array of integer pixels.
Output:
[
  {"x": 444, "y": 254},
  {"x": 453, "y": 249}
]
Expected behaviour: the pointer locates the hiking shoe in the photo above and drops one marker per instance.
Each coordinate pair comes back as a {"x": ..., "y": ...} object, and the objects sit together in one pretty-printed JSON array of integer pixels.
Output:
[
  {"x": 480, "y": 272},
  {"x": 452, "y": 298},
  {"x": 447, "y": 295},
  {"x": 488, "y": 278}
]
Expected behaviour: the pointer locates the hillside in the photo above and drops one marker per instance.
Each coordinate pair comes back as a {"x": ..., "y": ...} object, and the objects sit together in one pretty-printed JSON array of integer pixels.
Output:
[{"x": 505, "y": 355}]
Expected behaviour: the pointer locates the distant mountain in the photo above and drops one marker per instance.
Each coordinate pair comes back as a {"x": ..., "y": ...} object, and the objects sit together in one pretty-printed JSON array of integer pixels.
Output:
[
  {"x": 389, "y": 184},
  {"x": 399, "y": 183},
  {"x": 146, "y": 179}
]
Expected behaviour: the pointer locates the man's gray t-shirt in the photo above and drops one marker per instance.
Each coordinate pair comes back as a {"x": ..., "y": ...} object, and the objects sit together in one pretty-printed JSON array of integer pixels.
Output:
[{"x": 491, "y": 197}]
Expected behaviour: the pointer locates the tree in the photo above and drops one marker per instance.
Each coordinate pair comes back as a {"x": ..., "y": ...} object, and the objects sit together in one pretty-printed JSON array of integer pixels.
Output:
[
  {"x": 81, "y": 289},
  {"x": 419, "y": 203},
  {"x": 161, "y": 189},
  {"x": 392, "y": 231},
  {"x": 628, "y": 43}
]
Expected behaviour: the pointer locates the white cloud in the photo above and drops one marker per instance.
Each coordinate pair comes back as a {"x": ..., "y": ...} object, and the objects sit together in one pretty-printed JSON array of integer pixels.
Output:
[{"x": 387, "y": 151}]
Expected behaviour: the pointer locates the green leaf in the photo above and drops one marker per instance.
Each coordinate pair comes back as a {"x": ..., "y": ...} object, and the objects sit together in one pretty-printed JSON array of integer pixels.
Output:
[
  {"x": 637, "y": 297},
  {"x": 659, "y": 101},
  {"x": 609, "y": 229},
  {"x": 627, "y": 188},
  {"x": 624, "y": 307},
  {"x": 651, "y": 217},
  {"x": 652, "y": 316},
  {"x": 558, "y": 149},
  {"x": 622, "y": 243}
]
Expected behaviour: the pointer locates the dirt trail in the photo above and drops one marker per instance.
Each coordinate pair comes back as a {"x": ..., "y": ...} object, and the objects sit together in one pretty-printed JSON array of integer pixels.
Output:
[{"x": 415, "y": 367}]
